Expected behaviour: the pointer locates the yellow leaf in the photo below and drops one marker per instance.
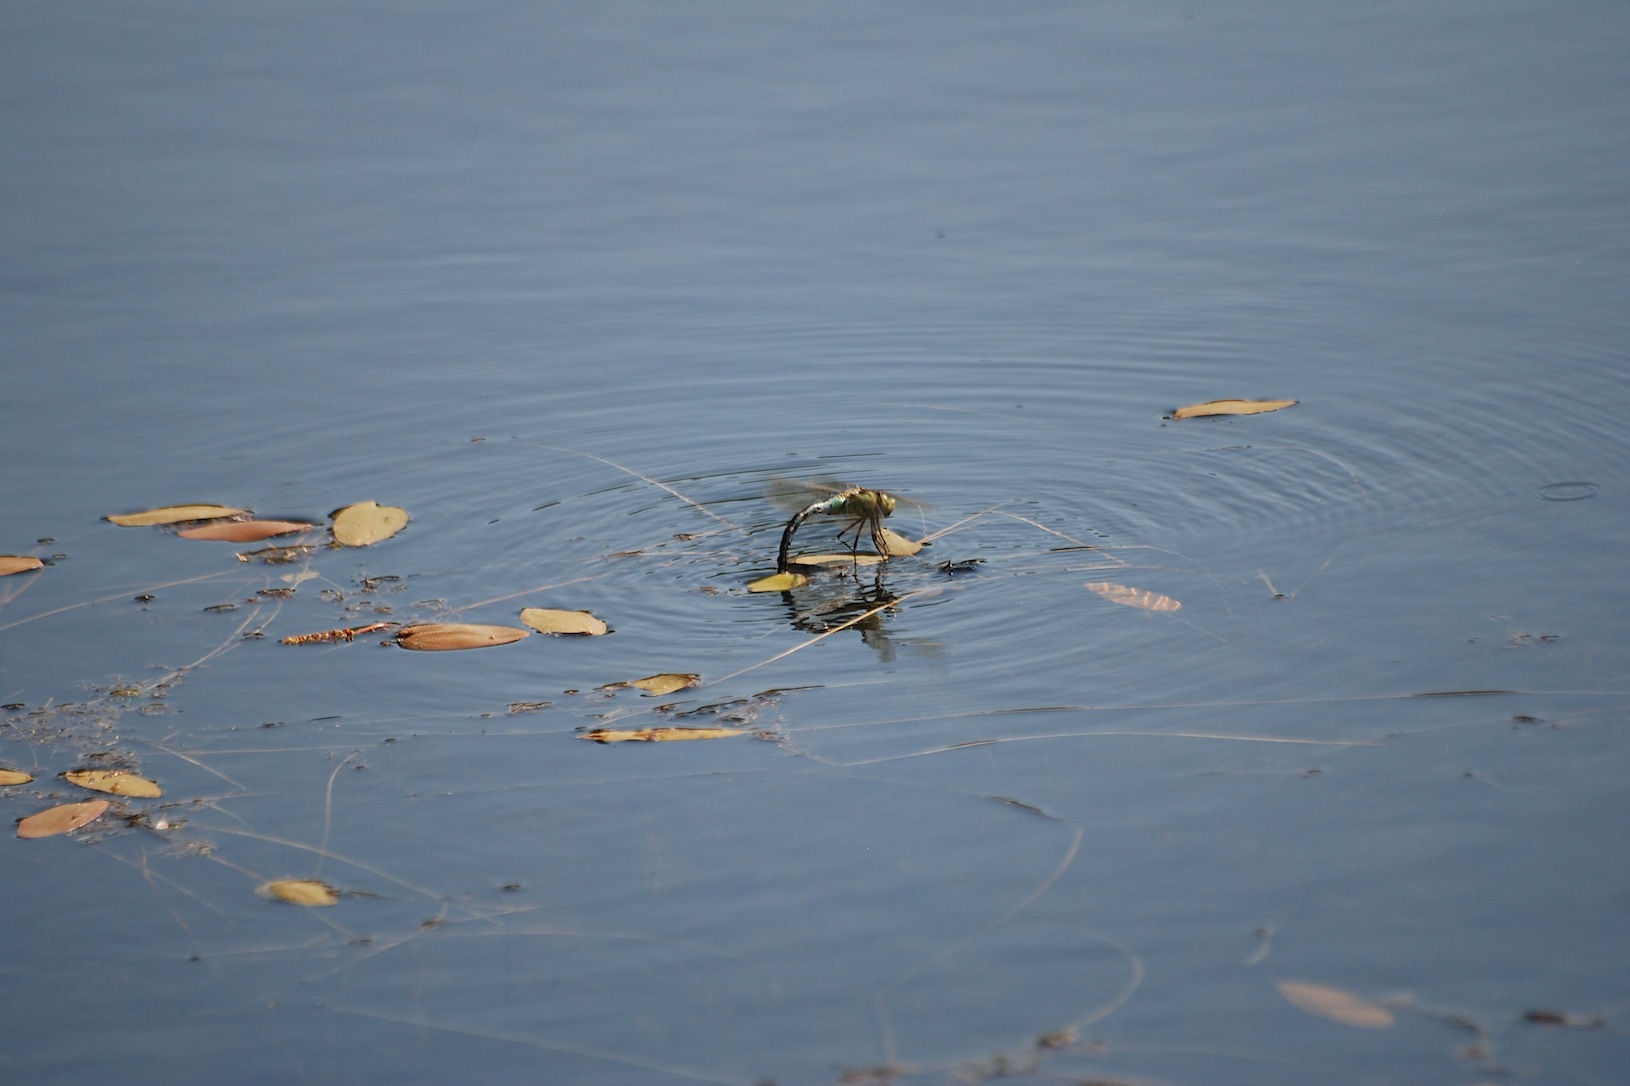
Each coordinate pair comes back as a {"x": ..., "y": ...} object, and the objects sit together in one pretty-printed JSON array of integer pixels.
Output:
[
  {"x": 174, "y": 514},
  {"x": 301, "y": 891},
  {"x": 13, "y": 776},
  {"x": 546, "y": 620},
  {"x": 896, "y": 545},
  {"x": 63, "y": 819},
  {"x": 843, "y": 559},
  {"x": 244, "y": 531},
  {"x": 778, "y": 582},
  {"x": 658, "y": 735},
  {"x": 18, "y": 563},
  {"x": 657, "y": 685},
  {"x": 366, "y": 523},
  {"x": 443, "y": 636},
  {"x": 1335, "y": 1004},
  {"x": 1133, "y": 597},
  {"x": 1231, "y": 407},
  {"x": 115, "y": 781}
]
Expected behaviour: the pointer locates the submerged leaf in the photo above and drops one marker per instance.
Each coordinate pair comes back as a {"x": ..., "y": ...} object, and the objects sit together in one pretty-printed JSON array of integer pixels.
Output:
[
  {"x": 18, "y": 563},
  {"x": 174, "y": 514},
  {"x": 244, "y": 531},
  {"x": 778, "y": 582},
  {"x": 549, "y": 621},
  {"x": 1231, "y": 407},
  {"x": 1335, "y": 1004},
  {"x": 366, "y": 523},
  {"x": 14, "y": 776},
  {"x": 301, "y": 891},
  {"x": 441, "y": 636},
  {"x": 658, "y": 735},
  {"x": 1133, "y": 597},
  {"x": 896, "y": 545},
  {"x": 63, "y": 819},
  {"x": 118, "y": 782}
]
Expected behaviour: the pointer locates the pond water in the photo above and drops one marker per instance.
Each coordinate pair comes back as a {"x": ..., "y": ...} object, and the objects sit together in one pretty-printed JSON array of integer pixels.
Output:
[{"x": 574, "y": 286}]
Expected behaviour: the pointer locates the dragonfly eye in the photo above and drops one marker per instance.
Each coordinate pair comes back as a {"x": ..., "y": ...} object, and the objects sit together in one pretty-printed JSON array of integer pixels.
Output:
[{"x": 885, "y": 502}]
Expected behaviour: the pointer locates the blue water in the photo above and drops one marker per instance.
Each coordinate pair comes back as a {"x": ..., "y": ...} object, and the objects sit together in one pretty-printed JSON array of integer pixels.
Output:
[{"x": 572, "y": 287}]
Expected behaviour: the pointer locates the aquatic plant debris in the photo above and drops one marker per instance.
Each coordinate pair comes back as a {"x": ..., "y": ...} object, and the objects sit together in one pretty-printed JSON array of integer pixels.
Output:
[
  {"x": 118, "y": 782},
  {"x": 1127, "y": 596},
  {"x": 308, "y": 892},
  {"x": 18, "y": 563},
  {"x": 658, "y": 735},
  {"x": 14, "y": 776},
  {"x": 244, "y": 531},
  {"x": 447, "y": 636},
  {"x": 174, "y": 514},
  {"x": 349, "y": 633},
  {"x": 367, "y": 523},
  {"x": 779, "y": 582},
  {"x": 66, "y": 818},
  {"x": 657, "y": 685},
  {"x": 1231, "y": 407},
  {"x": 550, "y": 621},
  {"x": 1335, "y": 1004}
]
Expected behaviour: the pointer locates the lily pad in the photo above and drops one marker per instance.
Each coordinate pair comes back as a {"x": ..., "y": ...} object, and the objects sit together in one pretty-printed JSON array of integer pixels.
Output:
[
  {"x": 244, "y": 531},
  {"x": 1231, "y": 407},
  {"x": 446, "y": 636},
  {"x": 63, "y": 819},
  {"x": 174, "y": 514},
  {"x": 116, "y": 782},
  {"x": 366, "y": 523},
  {"x": 658, "y": 735},
  {"x": 309, "y": 892},
  {"x": 549, "y": 621}
]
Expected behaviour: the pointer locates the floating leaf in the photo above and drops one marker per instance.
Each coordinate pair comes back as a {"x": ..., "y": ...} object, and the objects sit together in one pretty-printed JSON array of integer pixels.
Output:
[
  {"x": 244, "y": 531},
  {"x": 117, "y": 782},
  {"x": 18, "y": 563},
  {"x": 778, "y": 582},
  {"x": 546, "y": 620},
  {"x": 896, "y": 545},
  {"x": 366, "y": 523},
  {"x": 1231, "y": 407},
  {"x": 311, "y": 892},
  {"x": 63, "y": 819},
  {"x": 1335, "y": 1004},
  {"x": 844, "y": 559},
  {"x": 1133, "y": 597},
  {"x": 657, "y": 685},
  {"x": 443, "y": 636},
  {"x": 174, "y": 514},
  {"x": 14, "y": 776},
  {"x": 658, "y": 735}
]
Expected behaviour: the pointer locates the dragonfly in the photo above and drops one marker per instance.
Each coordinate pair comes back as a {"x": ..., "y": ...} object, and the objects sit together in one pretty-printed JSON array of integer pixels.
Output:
[{"x": 864, "y": 508}]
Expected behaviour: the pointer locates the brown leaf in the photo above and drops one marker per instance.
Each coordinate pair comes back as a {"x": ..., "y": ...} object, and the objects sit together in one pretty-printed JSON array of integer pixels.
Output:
[
  {"x": 1231, "y": 407},
  {"x": 117, "y": 782},
  {"x": 658, "y": 735},
  {"x": 1133, "y": 597},
  {"x": 778, "y": 582},
  {"x": 1335, "y": 1004},
  {"x": 244, "y": 531},
  {"x": 312, "y": 892},
  {"x": 443, "y": 636},
  {"x": 549, "y": 621},
  {"x": 18, "y": 563},
  {"x": 896, "y": 545},
  {"x": 63, "y": 819},
  {"x": 174, "y": 514},
  {"x": 366, "y": 523},
  {"x": 14, "y": 776}
]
